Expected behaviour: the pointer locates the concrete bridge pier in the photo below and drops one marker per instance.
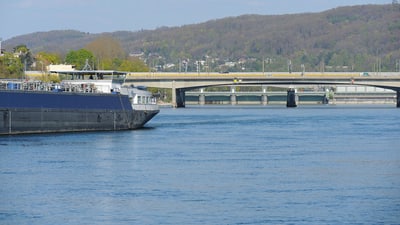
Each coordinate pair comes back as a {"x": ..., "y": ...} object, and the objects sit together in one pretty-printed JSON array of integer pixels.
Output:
[
  {"x": 233, "y": 99},
  {"x": 264, "y": 96},
  {"x": 398, "y": 99},
  {"x": 178, "y": 97},
  {"x": 202, "y": 97},
  {"x": 264, "y": 99},
  {"x": 233, "y": 95},
  {"x": 291, "y": 98}
]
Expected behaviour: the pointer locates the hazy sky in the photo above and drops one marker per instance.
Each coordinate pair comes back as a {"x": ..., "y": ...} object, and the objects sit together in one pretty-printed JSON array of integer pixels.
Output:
[{"x": 19, "y": 17}]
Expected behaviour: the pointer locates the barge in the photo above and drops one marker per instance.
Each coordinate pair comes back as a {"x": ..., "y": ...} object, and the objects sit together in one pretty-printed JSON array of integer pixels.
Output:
[{"x": 73, "y": 106}]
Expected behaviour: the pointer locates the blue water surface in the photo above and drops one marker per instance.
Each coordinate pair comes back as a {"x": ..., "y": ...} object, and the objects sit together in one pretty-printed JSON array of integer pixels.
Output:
[{"x": 212, "y": 165}]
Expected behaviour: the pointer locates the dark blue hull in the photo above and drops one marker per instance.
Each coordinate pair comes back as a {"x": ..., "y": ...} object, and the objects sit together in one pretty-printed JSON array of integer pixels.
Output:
[
  {"x": 63, "y": 100},
  {"x": 44, "y": 112}
]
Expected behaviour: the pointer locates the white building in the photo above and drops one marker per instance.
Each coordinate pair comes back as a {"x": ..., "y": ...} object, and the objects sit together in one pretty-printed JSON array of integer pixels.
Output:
[{"x": 60, "y": 67}]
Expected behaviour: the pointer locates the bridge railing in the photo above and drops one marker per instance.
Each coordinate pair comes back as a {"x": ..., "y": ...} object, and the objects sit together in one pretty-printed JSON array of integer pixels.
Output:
[{"x": 259, "y": 74}]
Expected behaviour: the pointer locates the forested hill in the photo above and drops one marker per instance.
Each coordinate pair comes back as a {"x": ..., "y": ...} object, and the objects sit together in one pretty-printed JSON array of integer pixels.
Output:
[{"x": 356, "y": 37}]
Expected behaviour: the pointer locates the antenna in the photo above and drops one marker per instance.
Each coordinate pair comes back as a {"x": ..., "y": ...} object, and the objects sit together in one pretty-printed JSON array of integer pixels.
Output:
[{"x": 87, "y": 66}]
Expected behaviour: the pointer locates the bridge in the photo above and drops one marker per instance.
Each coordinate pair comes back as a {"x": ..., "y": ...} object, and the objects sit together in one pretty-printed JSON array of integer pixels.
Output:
[{"x": 182, "y": 82}]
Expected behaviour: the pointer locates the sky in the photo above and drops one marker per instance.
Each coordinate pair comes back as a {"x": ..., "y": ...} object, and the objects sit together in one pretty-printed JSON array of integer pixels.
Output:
[{"x": 19, "y": 17}]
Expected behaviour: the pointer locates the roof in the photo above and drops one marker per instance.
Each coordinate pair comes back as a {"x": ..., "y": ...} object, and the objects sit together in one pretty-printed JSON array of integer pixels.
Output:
[{"x": 90, "y": 72}]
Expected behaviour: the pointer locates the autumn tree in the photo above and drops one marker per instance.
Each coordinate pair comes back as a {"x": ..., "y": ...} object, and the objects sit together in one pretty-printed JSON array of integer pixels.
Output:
[
  {"x": 111, "y": 56},
  {"x": 106, "y": 49},
  {"x": 43, "y": 59},
  {"x": 133, "y": 64}
]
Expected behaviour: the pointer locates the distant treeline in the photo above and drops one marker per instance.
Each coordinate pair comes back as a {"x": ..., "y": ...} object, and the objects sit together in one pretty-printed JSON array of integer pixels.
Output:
[{"x": 357, "y": 38}]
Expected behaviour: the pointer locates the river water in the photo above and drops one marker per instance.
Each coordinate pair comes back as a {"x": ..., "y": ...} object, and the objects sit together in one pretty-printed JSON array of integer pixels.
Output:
[{"x": 212, "y": 165}]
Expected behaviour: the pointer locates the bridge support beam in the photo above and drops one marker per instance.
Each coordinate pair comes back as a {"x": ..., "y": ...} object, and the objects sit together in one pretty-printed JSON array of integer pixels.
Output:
[
  {"x": 178, "y": 97},
  {"x": 398, "y": 99}
]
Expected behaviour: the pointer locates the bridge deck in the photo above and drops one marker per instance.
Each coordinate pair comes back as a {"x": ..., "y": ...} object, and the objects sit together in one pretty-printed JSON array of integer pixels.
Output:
[{"x": 181, "y": 82}]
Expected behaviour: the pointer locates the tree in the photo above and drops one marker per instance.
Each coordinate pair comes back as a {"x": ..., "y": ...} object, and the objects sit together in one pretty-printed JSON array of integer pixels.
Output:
[
  {"x": 106, "y": 49},
  {"x": 133, "y": 64},
  {"x": 10, "y": 66},
  {"x": 43, "y": 59},
  {"x": 79, "y": 57},
  {"x": 25, "y": 55},
  {"x": 49, "y": 58}
]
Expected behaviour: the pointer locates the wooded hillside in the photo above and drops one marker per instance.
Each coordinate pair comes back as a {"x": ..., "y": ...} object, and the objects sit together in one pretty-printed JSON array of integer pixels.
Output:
[{"x": 357, "y": 38}]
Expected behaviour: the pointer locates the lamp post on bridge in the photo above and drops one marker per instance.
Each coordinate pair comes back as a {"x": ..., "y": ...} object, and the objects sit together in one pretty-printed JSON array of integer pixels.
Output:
[
  {"x": 265, "y": 60},
  {"x": 263, "y": 65}
]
